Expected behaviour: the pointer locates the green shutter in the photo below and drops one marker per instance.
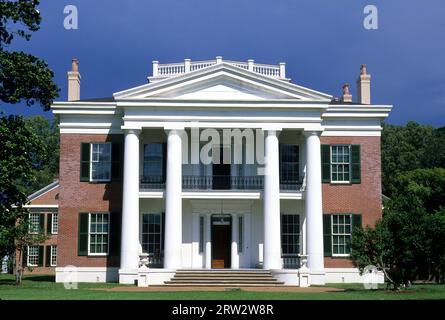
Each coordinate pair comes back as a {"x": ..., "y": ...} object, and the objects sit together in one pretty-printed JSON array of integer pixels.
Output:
[
  {"x": 49, "y": 220},
  {"x": 356, "y": 221},
  {"x": 327, "y": 235},
  {"x": 115, "y": 161},
  {"x": 48, "y": 256},
  {"x": 115, "y": 232},
  {"x": 42, "y": 223},
  {"x": 164, "y": 162},
  {"x": 82, "y": 245},
  {"x": 355, "y": 164},
  {"x": 326, "y": 163},
  {"x": 41, "y": 256},
  {"x": 25, "y": 257},
  {"x": 84, "y": 161}
]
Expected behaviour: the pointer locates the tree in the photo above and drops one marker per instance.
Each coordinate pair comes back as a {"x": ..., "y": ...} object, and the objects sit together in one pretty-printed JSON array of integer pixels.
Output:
[
  {"x": 48, "y": 167},
  {"x": 21, "y": 151},
  {"x": 23, "y": 77}
]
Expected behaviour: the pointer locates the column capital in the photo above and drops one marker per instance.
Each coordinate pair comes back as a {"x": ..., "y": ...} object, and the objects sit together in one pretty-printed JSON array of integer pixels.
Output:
[
  {"x": 309, "y": 133},
  {"x": 174, "y": 129},
  {"x": 133, "y": 131}
]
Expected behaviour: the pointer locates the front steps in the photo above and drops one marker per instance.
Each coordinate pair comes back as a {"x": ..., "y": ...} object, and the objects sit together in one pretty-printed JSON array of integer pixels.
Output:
[{"x": 223, "y": 278}]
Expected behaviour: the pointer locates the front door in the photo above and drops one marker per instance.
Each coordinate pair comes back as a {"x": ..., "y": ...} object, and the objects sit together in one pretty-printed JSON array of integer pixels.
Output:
[{"x": 221, "y": 238}]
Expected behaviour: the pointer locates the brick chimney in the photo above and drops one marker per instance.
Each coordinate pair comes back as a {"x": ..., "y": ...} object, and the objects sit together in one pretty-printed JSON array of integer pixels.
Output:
[
  {"x": 347, "y": 97},
  {"x": 364, "y": 86},
  {"x": 74, "y": 81}
]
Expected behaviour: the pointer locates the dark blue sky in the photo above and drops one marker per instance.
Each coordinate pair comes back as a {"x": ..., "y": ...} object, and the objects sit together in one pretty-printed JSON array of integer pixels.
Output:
[{"x": 323, "y": 43}]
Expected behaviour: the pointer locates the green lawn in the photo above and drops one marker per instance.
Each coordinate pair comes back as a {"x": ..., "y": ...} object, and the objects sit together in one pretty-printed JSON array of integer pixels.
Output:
[{"x": 43, "y": 287}]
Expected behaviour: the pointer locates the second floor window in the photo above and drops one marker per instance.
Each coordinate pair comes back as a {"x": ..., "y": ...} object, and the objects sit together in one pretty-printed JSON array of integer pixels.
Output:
[
  {"x": 100, "y": 162},
  {"x": 289, "y": 163},
  {"x": 153, "y": 162},
  {"x": 340, "y": 163},
  {"x": 54, "y": 223},
  {"x": 34, "y": 223}
]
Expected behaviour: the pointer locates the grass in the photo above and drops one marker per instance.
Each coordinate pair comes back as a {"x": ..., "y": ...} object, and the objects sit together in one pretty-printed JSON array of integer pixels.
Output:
[{"x": 44, "y": 288}]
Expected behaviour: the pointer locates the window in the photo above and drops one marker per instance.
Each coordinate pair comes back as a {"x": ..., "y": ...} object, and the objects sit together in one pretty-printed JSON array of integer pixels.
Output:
[
  {"x": 240, "y": 234},
  {"x": 201, "y": 234},
  {"x": 53, "y": 261},
  {"x": 34, "y": 223},
  {"x": 153, "y": 162},
  {"x": 289, "y": 164},
  {"x": 290, "y": 234},
  {"x": 152, "y": 240},
  {"x": 54, "y": 223},
  {"x": 100, "y": 162},
  {"x": 341, "y": 234},
  {"x": 340, "y": 163},
  {"x": 33, "y": 256},
  {"x": 98, "y": 234}
]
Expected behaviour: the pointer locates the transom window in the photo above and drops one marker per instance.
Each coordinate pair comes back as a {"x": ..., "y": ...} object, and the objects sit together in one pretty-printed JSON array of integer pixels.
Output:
[
  {"x": 34, "y": 223},
  {"x": 341, "y": 234},
  {"x": 153, "y": 162},
  {"x": 340, "y": 163},
  {"x": 100, "y": 162},
  {"x": 53, "y": 260},
  {"x": 33, "y": 256},
  {"x": 98, "y": 233},
  {"x": 290, "y": 234},
  {"x": 152, "y": 239},
  {"x": 54, "y": 223},
  {"x": 289, "y": 164}
]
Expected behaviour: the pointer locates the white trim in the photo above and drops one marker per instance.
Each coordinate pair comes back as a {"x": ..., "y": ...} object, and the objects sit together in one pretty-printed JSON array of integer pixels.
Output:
[
  {"x": 52, "y": 223},
  {"x": 49, "y": 206},
  {"x": 51, "y": 256},
  {"x": 86, "y": 274}
]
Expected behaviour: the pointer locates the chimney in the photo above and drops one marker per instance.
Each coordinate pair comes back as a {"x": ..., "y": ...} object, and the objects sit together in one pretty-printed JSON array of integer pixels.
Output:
[
  {"x": 74, "y": 81},
  {"x": 347, "y": 97},
  {"x": 364, "y": 86}
]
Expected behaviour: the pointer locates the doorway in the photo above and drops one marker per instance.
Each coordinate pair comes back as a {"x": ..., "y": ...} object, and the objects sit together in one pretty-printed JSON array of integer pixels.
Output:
[{"x": 221, "y": 241}]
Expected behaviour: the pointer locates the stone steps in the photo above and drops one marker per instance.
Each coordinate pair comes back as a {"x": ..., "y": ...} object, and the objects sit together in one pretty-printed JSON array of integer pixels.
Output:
[{"x": 223, "y": 278}]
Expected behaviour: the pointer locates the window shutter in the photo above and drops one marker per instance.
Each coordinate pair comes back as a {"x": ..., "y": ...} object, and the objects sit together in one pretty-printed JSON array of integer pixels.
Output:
[
  {"x": 115, "y": 232},
  {"x": 327, "y": 235},
  {"x": 49, "y": 222},
  {"x": 42, "y": 223},
  {"x": 326, "y": 163},
  {"x": 84, "y": 162},
  {"x": 356, "y": 221},
  {"x": 48, "y": 256},
  {"x": 25, "y": 257},
  {"x": 41, "y": 256},
  {"x": 82, "y": 245},
  {"x": 116, "y": 161},
  {"x": 355, "y": 164},
  {"x": 298, "y": 163}
]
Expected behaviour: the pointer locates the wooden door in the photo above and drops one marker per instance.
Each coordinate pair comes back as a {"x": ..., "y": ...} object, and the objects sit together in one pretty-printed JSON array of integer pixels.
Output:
[{"x": 221, "y": 237}]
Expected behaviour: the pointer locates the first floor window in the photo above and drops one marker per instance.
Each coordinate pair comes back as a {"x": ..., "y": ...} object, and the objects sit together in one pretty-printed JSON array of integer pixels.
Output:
[
  {"x": 53, "y": 261},
  {"x": 290, "y": 234},
  {"x": 98, "y": 233},
  {"x": 54, "y": 223},
  {"x": 33, "y": 256},
  {"x": 341, "y": 234},
  {"x": 340, "y": 163},
  {"x": 34, "y": 223},
  {"x": 100, "y": 162},
  {"x": 152, "y": 236}
]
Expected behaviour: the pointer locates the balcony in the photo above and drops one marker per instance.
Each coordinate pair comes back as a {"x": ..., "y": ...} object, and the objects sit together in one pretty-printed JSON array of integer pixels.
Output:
[{"x": 218, "y": 183}]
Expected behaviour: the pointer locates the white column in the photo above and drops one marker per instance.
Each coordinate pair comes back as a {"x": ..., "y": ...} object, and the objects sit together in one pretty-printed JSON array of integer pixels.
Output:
[
  {"x": 272, "y": 241},
  {"x": 234, "y": 260},
  {"x": 130, "y": 203},
  {"x": 208, "y": 248},
  {"x": 314, "y": 210},
  {"x": 173, "y": 202}
]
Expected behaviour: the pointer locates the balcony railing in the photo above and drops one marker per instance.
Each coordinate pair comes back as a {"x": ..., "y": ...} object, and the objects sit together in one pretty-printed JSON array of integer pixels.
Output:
[
  {"x": 291, "y": 261},
  {"x": 218, "y": 182}
]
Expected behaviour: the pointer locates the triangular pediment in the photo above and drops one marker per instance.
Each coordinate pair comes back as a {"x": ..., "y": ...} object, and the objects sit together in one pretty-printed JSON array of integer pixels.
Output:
[{"x": 222, "y": 82}]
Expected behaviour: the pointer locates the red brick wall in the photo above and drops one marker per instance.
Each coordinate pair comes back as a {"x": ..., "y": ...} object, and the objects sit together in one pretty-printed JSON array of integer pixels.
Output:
[
  {"x": 76, "y": 197},
  {"x": 49, "y": 198},
  {"x": 363, "y": 198}
]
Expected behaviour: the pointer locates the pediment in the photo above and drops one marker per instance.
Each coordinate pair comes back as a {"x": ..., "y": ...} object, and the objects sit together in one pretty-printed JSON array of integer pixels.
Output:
[{"x": 222, "y": 82}]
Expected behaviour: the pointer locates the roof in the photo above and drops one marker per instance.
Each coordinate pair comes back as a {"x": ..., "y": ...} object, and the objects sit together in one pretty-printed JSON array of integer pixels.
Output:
[{"x": 44, "y": 190}]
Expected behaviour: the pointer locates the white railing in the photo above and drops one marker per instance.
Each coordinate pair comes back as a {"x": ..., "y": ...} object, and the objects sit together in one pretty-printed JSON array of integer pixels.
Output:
[{"x": 161, "y": 71}]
